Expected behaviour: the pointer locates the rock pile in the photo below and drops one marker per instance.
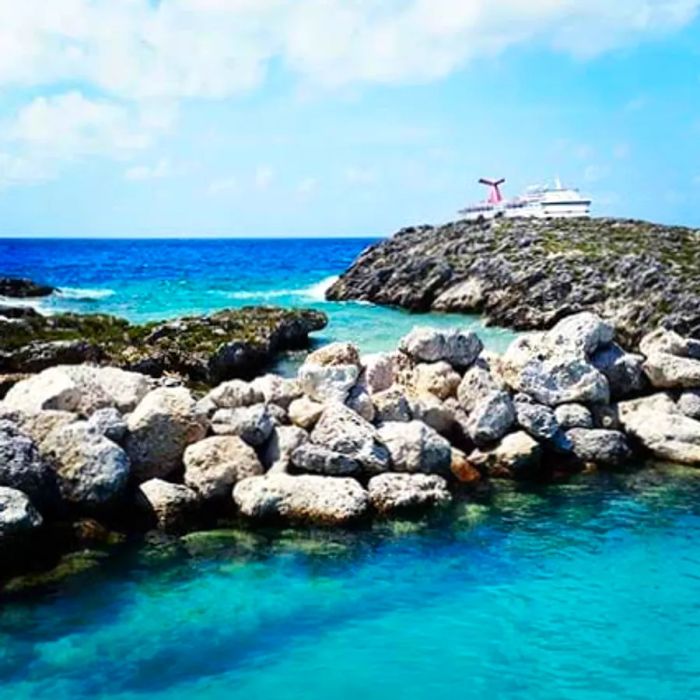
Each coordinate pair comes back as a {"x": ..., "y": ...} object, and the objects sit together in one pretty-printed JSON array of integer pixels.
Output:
[{"x": 350, "y": 437}]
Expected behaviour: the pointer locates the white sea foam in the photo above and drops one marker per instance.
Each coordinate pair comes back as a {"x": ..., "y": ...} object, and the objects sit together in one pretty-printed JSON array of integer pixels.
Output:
[
  {"x": 314, "y": 292},
  {"x": 84, "y": 294}
]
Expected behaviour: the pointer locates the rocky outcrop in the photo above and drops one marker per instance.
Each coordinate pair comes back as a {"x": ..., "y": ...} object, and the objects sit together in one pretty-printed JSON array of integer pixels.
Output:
[
  {"x": 527, "y": 274},
  {"x": 205, "y": 349},
  {"x": 303, "y": 499},
  {"x": 18, "y": 516},
  {"x": 18, "y": 288}
]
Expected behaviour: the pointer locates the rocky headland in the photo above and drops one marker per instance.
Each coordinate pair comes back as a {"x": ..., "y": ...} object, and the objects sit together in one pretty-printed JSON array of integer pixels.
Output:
[
  {"x": 527, "y": 274},
  {"x": 204, "y": 349},
  {"x": 90, "y": 454}
]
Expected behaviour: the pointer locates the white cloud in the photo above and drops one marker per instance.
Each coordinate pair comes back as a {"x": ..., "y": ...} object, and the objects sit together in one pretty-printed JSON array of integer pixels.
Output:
[
  {"x": 307, "y": 186},
  {"x": 20, "y": 170},
  {"x": 214, "y": 48},
  {"x": 264, "y": 175},
  {"x": 225, "y": 185},
  {"x": 157, "y": 171},
  {"x": 361, "y": 176}
]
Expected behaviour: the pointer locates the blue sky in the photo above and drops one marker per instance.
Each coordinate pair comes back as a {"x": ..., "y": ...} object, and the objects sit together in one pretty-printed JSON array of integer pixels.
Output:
[{"x": 338, "y": 117}]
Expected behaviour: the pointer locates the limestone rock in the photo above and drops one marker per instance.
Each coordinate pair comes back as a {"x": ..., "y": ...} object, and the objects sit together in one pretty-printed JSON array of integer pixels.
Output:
[
  {"x": 381, "y": 371},
  {"x": 689, "y": 403},
  {"x": 573, "y": 415},
  {"x": 583, "y": 333},
  {"x": 492, "y": 417},
  {"x": 459, "y": 348},
  {"x": 277, "y": 456},
  {"x": 254, "y": 424},
  {"x": 110, "y": 423},
  {"x": 17, "y": 515},
  {"x": 537, "y": 420},
  {"x": 437, "y": 378},
  {"x": 517, "y": 455},
  {"x": 92, "y": 471},
  {"x": 407, "y": 493},
  {"x": 335, "y": 354},
  {"x": 280, "y": 391},
  {"x": 666, "y": 371},
  {"x": 477, "y": 383},
  {"x": 415, "y": 447},
  {"x": 318, "y": 459},
  {"x": 598, "y": 446},
  {"x": 215, "y": 464},
  {"x": 235, "y": 394},
  {"x": 326, "y": 383},
  {"x": 360, "y": 401},
  {"x": 436, "y": 414},
  {"x": 38, "y": 425},
  {"x": 160, "y": 428},
  {"x": 341, "y": 430},
  {"x": 391, "y": 405},
  {"x": 623, "y": 370},
  {"x": 304, "y": 412},
  {"x": 172, "y": 505},
  {"x": 305, "y": 499}
]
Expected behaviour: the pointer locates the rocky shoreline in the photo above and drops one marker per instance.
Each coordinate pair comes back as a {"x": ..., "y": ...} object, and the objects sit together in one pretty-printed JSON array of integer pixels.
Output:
[
  {"x": 96, "y": 453},
  {"x": 527, "y": 274}
]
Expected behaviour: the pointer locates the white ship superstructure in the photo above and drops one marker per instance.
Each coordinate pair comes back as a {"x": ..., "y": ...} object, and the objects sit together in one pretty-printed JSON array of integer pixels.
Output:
[{"x": 540, "y": 202}]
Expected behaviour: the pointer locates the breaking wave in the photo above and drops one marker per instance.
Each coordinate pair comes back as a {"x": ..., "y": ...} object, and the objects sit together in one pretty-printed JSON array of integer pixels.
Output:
[
  {"x": 314, "y": 292},
  {"x": 84, "y": 294}
]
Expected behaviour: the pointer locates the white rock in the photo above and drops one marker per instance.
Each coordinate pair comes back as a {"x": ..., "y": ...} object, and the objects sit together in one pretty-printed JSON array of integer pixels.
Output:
[
  {"x": 516, "y": 455},
  {"x": 582, "y": 333},
  {"x": 457, "y": 347},
  {"x": 277, "y": 456},
  {"x": 608, "y": 447},
  {"x": 335, "y": 354},
  {"x": 254, "y": 424},
  {"x": 215, "y": 464},
  {"x": 538, "y": 421},
  {"x": 17, "y": 515},
  {"x": 666, "y": 371},
  {"x": 401, "y": 493},
  {"x": 391, "y": 405},
  {"x": 160, "y": 428},
  {"x": 689, "y": 403},
  {"x": 91, "y": 470},
  {"x": 415, "y": 447},
  {"x": 110, "y": 423},
  {"x": 38, "y": 425},
  {"x": 381, "y": 371},
  {"x": 235, "y": 394},
  {"x": 573, "y": 415},
  {"x": 318, "y": 459},
  {"x": 623, "y": 370},
  {"x": 492, "y": 417},
  {"x": 306, "y": 499},
  {"x": 280, "y": 391},
  {"x": 360, "y": 401},
  {"x": 477, "y": 383},
  {"x": 436, "y": 414},
  {"x": 172, "y": 505},
  {"x": 437, "y": 378},
  {"x": 326, "y": 383}
]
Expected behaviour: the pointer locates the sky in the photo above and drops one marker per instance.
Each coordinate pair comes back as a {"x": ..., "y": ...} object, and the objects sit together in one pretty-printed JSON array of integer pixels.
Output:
[{"x": 255, "y": 118}]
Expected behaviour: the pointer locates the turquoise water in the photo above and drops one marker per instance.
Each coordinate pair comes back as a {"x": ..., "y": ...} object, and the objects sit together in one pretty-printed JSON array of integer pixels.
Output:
[
  {"x": 586, "y": 591},
  {"x": 145, "y": 280}
]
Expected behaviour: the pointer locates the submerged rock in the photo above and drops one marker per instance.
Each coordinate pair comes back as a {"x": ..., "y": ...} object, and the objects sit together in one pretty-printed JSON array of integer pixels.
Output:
[{"x": 306, "y": 499}]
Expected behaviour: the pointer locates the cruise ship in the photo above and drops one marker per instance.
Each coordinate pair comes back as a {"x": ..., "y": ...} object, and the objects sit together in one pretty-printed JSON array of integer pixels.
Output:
[{"x": 539, "y": 201}]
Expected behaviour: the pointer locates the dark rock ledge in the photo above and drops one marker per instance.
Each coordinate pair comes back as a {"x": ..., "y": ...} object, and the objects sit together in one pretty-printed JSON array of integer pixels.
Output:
[
  {"x": 23, "y": 288},
  {"x": 527, "y": 274},
  {"x": 92, "y": 454}
]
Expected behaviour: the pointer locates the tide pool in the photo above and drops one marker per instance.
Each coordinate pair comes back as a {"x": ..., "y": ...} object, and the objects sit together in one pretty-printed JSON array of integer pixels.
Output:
[{"x": 587, "y": 591}]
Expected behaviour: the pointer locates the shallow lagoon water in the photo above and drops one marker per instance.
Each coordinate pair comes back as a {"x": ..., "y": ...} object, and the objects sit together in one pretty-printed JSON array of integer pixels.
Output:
[{"x": 589, "y": 590}]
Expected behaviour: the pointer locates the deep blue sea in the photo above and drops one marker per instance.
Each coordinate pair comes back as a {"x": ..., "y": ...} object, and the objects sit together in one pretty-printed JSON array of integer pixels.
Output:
[{"x": 584, "y": 591}]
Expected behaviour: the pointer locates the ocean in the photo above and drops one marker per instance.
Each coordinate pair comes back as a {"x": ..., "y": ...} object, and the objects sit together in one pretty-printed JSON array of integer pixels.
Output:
[{"x": 588, "y": 590}]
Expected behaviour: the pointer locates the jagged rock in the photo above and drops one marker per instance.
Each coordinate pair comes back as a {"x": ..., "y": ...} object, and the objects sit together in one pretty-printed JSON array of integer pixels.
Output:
[
  {"x": 463, "y": 470},
  {"x": 341, "y": 430},
  {"x": 160, "y": 428},
  {"x": 110, "y": 423},
  {"x": 254, "y": 424},
  {"x": 517, "y": 455},
  {"x": 277, "y": 456},
  {"x": 278, "y": 414},
  {"x": 235, "y": 394},
  {"x": 360, "y": 401},
  {"x": 38, "y": 425},
  {"x": 78, "y": 388},
  {"x": 667, "y": 342},
  {"x": 666, "y": 371},
  {"x": 318, "y": 459},
  {"x": 689, "y": 403},
  {"x": 407, "y": 493},
  {"x": 437, "y": 378},
  {"x": 468, "y": 295},
  {"x": 335, "y": 354},
  {"x": 215, "y": 464},
  {"x": 391, "y": 405},
  {"x": 306, "y": 499},
  {"x": 537, "y": 420},
  {"x": 434, "y": 413},
  {"x": 583, "y": 333},
  {"x": 381, "y": 371},
  {"x": 491, "y": 418},
  {"x": 658, "y": 424},
  {"x": 573, "y": 415},
  {"x": 92, "y": 471},
  {"x": 623, "y": 370},
  {"x": 416, "y": 447},
  {"x": 477, "y": 383},
  {"x": 304, "y": 412},
  {"x": 599, "y": 446},
  {"x": 563, "y": 379},
  {"x": 459, "y": 348},
  {"x": 280, "y": 391},
  {"x": 171, "y": 505},
  {"x": 325, "y": 383},
  {"x": 17, "y": 514},
  {"x": 22, "y": 467}
]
